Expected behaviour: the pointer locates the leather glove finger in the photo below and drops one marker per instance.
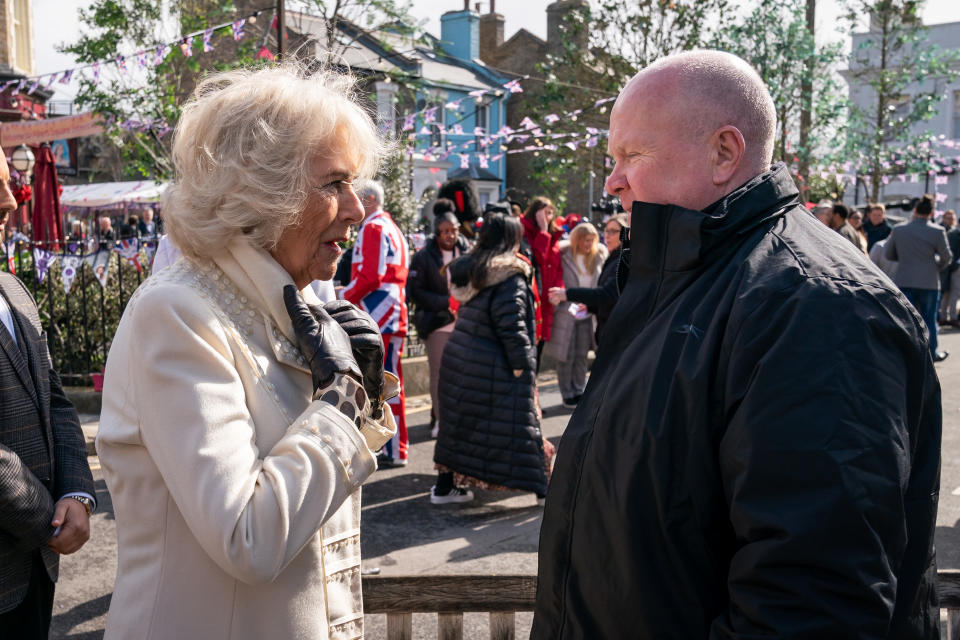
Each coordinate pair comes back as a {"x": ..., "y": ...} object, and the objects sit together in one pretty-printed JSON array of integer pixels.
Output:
[
  {"x": 323, "y": 343},
  {"x": 366, "y": 342}
]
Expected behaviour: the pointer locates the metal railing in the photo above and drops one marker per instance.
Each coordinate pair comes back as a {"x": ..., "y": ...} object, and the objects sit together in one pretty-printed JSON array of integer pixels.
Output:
[{"x": 79, "y": 324}]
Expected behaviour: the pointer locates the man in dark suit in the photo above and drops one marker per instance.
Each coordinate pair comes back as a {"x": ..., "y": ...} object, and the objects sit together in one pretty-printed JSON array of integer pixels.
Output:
[{"x": 46, "y": 488}]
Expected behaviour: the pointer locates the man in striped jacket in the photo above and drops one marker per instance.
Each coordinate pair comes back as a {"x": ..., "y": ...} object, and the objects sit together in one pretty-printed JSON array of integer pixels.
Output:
[{"x": 378, "y": 279}]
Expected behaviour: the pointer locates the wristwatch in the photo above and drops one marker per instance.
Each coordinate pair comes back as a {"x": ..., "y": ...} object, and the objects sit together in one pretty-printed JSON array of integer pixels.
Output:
[{"x": 86, "y": 502}]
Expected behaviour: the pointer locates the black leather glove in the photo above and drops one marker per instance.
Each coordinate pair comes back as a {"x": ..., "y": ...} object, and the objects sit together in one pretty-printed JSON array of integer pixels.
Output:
[
  {"x": 367, "y": 345},
  {"x": 323, "y": 343}
]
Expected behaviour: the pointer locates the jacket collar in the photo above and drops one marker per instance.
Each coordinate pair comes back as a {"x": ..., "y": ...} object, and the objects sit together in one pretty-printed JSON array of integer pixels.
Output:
[
  {"x": 671, "y": 238},
  {"x": 261, "y": 279}
]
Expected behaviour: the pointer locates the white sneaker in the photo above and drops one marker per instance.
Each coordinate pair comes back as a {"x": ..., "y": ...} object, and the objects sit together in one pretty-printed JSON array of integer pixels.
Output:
[
  {"x": 541, "y": 502},
  {"x": 457, "y": 494}
]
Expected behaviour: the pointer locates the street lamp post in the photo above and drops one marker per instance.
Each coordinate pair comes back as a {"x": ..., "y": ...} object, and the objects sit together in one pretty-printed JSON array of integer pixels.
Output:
[
  {"x": 23, "y": 160},
  {"x": 281, "y": 30}
]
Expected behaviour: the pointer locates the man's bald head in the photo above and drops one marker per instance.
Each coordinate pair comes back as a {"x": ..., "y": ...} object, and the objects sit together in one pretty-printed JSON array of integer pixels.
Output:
[
  {"x": 705, "y": 117},
  {"x": 710, "y": 89}
]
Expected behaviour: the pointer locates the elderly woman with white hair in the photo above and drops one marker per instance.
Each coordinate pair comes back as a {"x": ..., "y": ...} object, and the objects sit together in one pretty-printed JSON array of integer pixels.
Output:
[{"x": 235, "y": 436}]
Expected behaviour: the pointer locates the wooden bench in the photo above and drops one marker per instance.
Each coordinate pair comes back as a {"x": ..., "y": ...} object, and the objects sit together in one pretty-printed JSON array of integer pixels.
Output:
[
  {"x": 502, "y": 596},
  {"x": 449, "y": 596}
]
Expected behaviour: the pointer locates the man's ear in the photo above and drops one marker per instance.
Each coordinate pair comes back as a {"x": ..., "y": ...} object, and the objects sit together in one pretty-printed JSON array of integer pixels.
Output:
[{"x": 727, "y": 147}]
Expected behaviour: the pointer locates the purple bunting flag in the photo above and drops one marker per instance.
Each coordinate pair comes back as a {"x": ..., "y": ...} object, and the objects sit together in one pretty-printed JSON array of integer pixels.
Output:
[
  {"x": 96, "y": 72},
  {"x": 68, "y": 271},
  {"x": 121, "y": 63},
  {"x": 160, "y": 54},
  {"x": 238, "y": 29},
  {"x": 42, "y": 260},
  {"x": 456, "y": 130},
  {"x": 142, "y": 59},
  {"x": 464, "y": 160},
  {"x": 186, "y": 46},
  {"x": 430, "y": 115},
  {"x": 207, "y": 46},
  {"x": 483, "y": 160},
  {"x": 409, "y": 122},
  {"x": 550, "y": 119},
  {"x": 513, "y": 86}
]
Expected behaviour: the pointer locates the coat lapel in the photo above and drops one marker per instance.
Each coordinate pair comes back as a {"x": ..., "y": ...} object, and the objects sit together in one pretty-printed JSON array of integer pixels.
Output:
[{"x": 15, "y": 353}]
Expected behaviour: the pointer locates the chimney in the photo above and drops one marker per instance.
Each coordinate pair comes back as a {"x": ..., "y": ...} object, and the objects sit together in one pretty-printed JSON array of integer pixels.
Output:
[
  {"x": 491, "y": 35},
  {"x": 556, "y": 16},
  {"x": 460, "y": 34}
]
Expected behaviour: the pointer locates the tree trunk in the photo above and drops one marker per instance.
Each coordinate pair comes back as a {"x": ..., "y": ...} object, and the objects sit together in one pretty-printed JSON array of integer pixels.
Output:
[{"x": 806, "y": 105}]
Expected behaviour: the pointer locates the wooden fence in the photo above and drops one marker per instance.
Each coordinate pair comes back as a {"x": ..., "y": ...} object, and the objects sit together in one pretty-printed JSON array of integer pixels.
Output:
[{"x": 502, "y": 596}]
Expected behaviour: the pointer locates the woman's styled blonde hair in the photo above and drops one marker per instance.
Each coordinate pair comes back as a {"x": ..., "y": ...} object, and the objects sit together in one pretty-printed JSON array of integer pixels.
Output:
[
  {"x": 243, "y": 152},
  {"x": 592, "y": 257}
]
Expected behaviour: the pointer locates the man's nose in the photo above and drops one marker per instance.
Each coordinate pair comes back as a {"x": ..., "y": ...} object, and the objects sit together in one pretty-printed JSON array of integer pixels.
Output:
[{"x": 615, "y": 183}]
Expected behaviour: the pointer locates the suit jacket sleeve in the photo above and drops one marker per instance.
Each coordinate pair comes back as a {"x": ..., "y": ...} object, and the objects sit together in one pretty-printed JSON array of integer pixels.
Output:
[
  {"x": 890, "y": 250},
  {"x": 944, "y": 255},
  {"x": 818, "y": 434},
  {"x": 26, "y": 504},
  {"x": 251, "y": 511},
  {"x": 72, "y": 472}
]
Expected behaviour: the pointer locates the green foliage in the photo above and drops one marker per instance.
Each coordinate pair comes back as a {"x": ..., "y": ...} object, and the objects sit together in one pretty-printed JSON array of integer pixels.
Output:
[
  {"x": 907, "y": 77},
  {"x": 155, "y": 94},
  {"x": 395, "y": 176},
  {"x": 774, "y": 38},
  {"x": 603, "y": 44}
]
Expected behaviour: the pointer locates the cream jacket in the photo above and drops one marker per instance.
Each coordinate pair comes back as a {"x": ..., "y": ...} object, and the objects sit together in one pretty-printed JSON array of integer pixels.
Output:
[{"x": 237, "y": 497}]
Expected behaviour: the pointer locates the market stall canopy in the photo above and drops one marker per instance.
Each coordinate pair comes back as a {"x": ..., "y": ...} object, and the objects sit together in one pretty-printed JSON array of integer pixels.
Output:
[{"x": 106, "y": 194}]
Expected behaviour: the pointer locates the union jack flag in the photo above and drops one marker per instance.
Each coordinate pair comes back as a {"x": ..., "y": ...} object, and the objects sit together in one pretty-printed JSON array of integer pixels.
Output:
[{"x": 378, "y": 273}]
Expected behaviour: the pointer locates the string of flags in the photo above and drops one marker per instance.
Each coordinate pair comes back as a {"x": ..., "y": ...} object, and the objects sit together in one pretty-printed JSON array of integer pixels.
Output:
[
  {"x": 71, "y": 263},
  {"x": 488, "y": 146},
  {"x": 153, "y": 55}
]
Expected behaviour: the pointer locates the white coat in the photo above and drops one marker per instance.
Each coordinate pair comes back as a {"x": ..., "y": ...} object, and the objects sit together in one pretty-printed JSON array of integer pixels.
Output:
[{"x": 237, "y": 497}]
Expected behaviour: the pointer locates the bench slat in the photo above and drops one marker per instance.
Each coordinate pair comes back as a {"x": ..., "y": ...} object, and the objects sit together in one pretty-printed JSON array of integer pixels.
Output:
[
  {"x": 425, "y": 594},
  {"x": 399, "y": 626},
  {"x": 450, "y": 626},
  {"x": 503, "y": 626}
]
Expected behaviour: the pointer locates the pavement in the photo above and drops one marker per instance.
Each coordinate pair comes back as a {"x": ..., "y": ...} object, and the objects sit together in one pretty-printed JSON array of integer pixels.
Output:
[{"x": 403, "y": 534}]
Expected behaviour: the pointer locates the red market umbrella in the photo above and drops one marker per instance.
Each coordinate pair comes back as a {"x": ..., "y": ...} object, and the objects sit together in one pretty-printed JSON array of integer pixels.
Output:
[{"x": 47, "y": 222}]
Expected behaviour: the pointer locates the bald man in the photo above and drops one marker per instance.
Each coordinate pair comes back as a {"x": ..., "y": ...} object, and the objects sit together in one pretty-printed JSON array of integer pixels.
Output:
[{"x": 757, "y": 451}]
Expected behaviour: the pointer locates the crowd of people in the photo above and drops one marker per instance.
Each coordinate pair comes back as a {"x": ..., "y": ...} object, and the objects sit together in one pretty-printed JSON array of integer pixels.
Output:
[
  {"x": 755, "y": 453},
  {"x": 920, "y": 256}
]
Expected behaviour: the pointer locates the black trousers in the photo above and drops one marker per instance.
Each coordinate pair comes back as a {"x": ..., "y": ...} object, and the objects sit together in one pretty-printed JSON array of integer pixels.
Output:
[{"x": 31, "y": 618}]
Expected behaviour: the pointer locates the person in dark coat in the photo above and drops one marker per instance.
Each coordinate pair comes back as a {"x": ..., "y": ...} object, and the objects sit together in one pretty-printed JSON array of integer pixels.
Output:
[
  {"x": 428, "y": 289},
  {"x": 599, "y": 299},
  {"x": 489, "y": 431},
  {"x": 757, "y": 451},
  {"x": 875, "y": 224}
]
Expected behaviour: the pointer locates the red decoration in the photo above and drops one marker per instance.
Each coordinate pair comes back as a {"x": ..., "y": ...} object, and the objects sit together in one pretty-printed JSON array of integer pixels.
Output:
[{"x": 22, "y": 193}]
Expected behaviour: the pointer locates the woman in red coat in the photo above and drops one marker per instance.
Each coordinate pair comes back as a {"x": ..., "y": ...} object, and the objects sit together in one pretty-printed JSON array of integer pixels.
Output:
[{"x": 542, "y": 234}]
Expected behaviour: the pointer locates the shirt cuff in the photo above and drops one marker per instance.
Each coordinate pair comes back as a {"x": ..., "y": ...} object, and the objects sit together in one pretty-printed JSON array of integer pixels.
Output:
[{"x": 82, "y": 494}]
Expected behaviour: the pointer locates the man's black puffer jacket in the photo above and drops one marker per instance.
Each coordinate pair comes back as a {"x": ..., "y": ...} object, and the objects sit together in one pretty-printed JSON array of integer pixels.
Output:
[
  {"x": 488, "y": 423},
  {"x": 757, "y": 451}
]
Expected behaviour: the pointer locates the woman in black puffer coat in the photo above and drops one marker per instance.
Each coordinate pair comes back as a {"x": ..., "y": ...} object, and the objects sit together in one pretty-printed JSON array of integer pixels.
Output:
[{"x": 489, "y": 431}]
